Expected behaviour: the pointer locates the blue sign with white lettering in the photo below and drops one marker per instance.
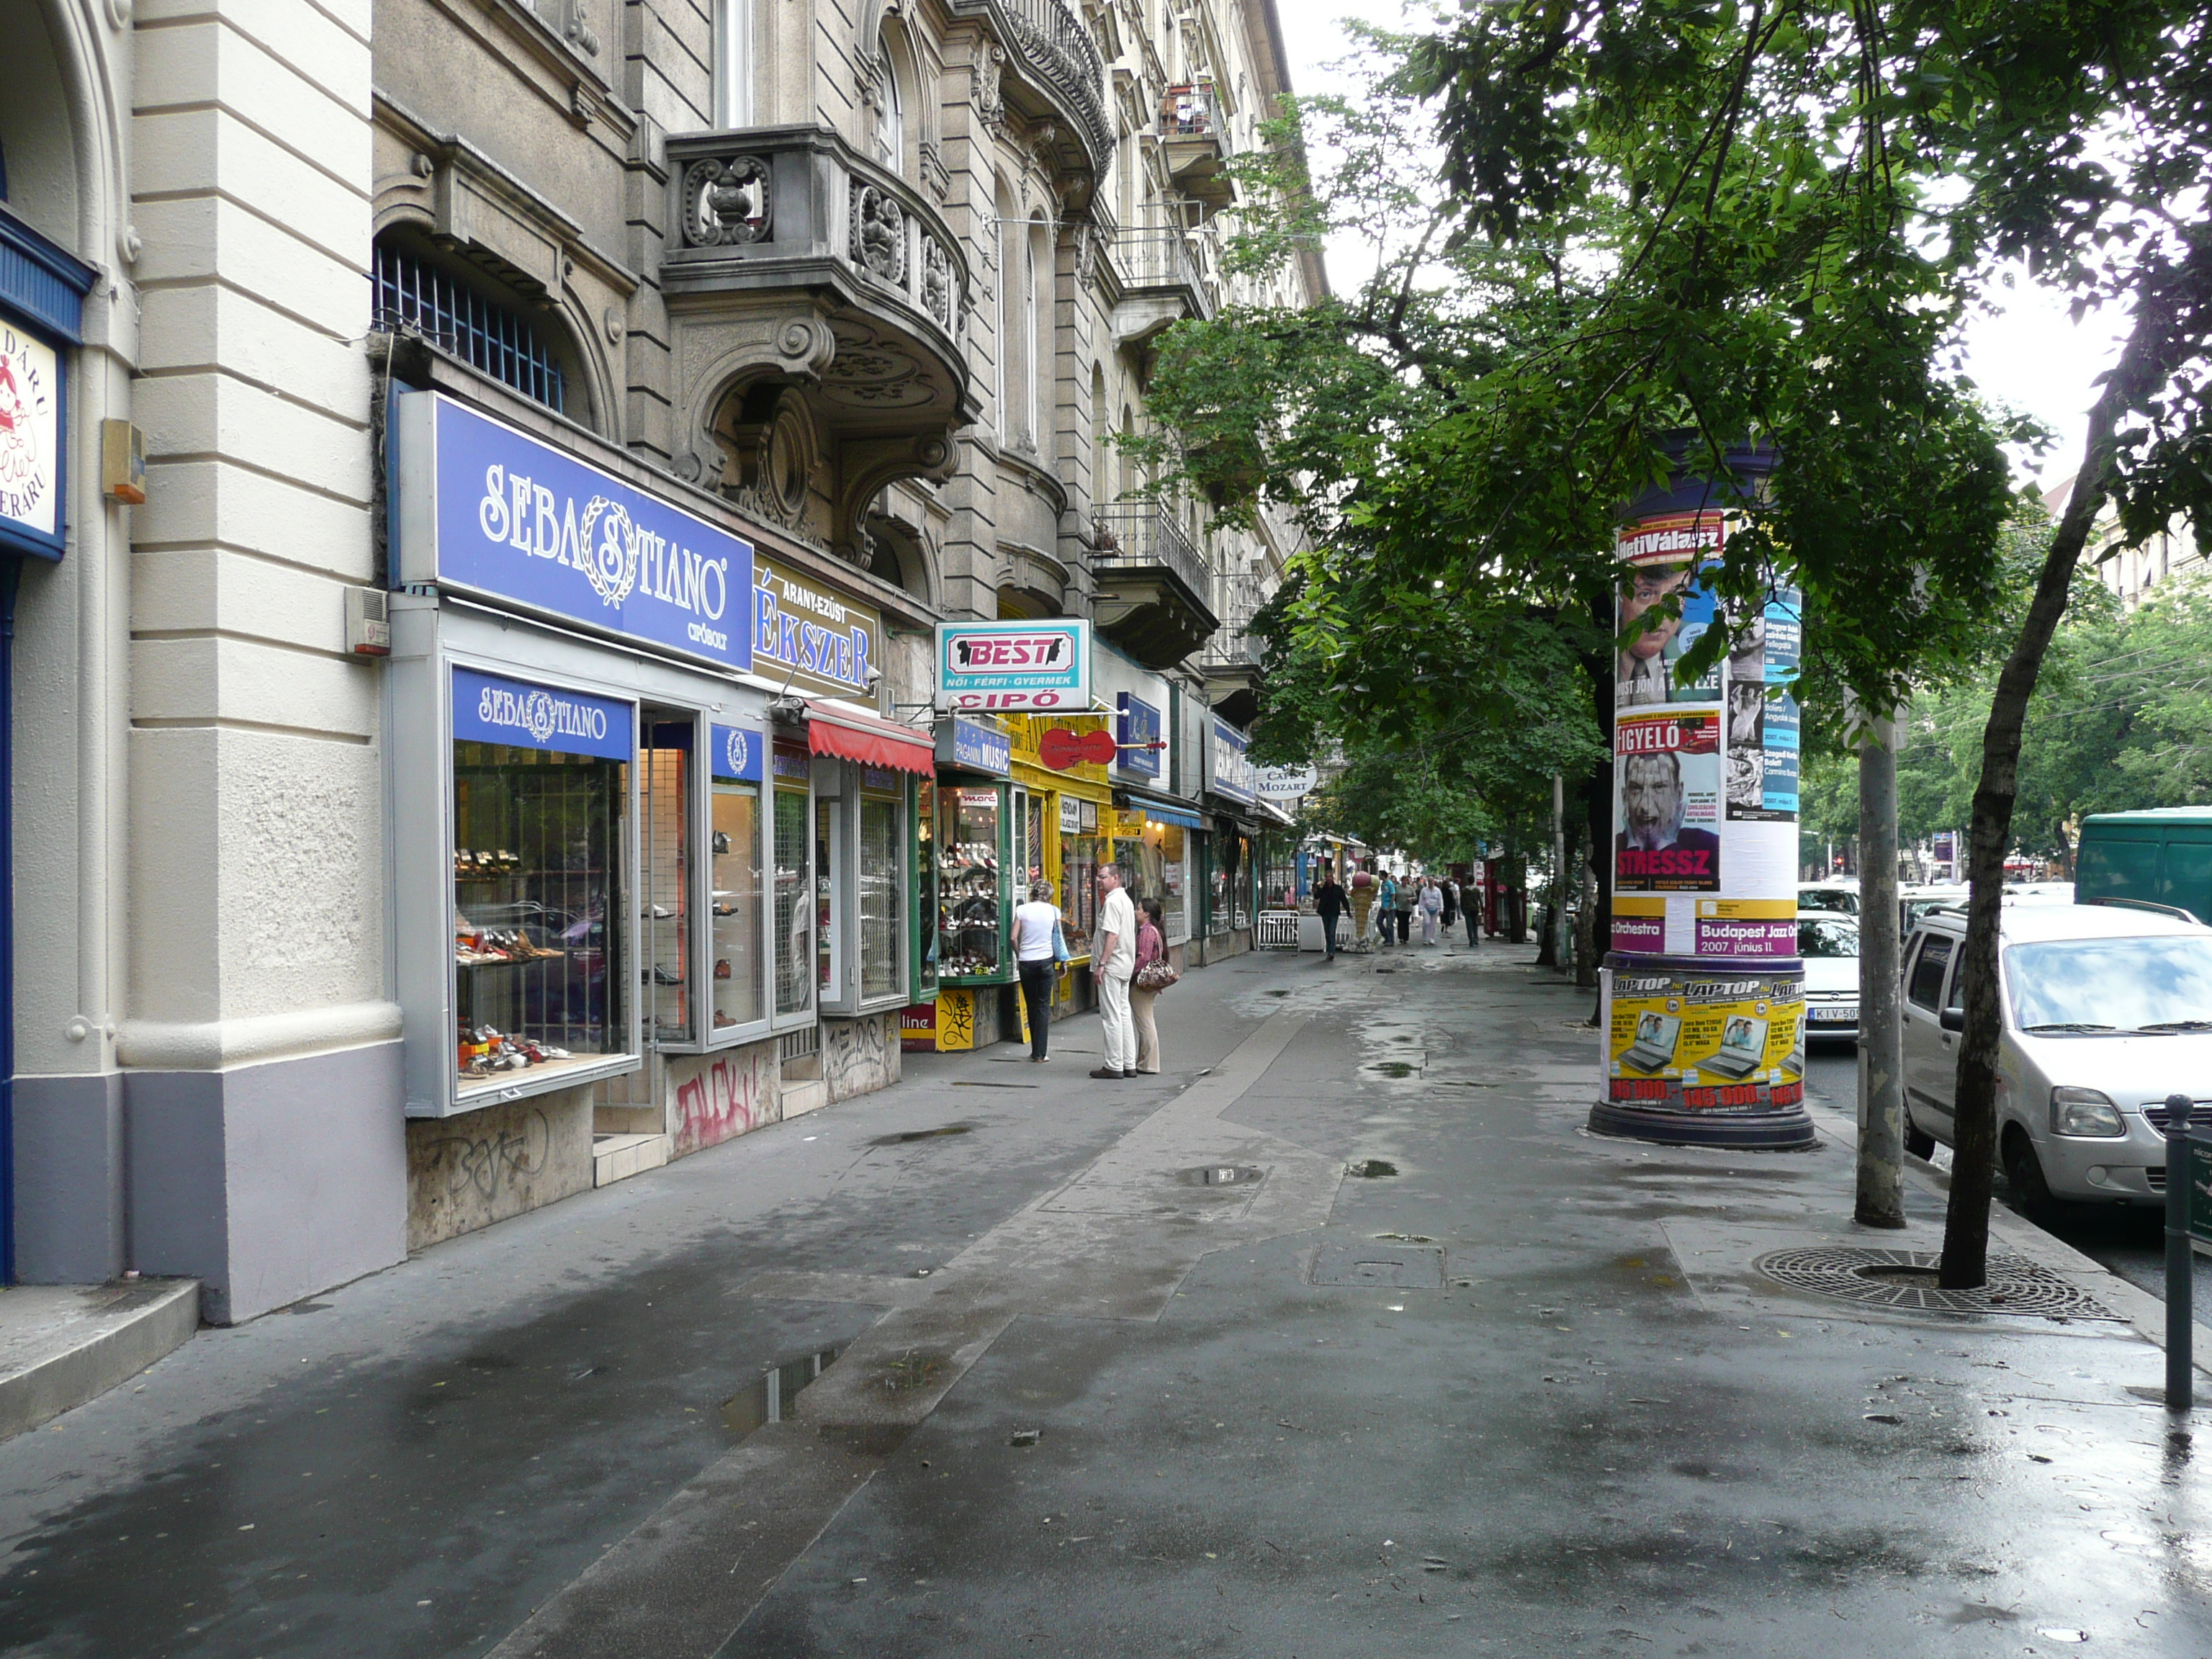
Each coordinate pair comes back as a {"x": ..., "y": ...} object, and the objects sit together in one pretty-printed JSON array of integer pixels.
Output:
[
  {"x": 510, "y": 517},
  {"x": 1136, "y": 728},
  {"x": 487, "y": 708},
  {"x": 974, "y": 746},
  {"x": 736, "y": 753}
]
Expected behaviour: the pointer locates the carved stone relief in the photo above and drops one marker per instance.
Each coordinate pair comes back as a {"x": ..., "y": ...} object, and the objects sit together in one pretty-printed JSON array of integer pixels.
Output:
[
  {"x": 989, "y": 95},
  {"x": 878, "y": 233},
  {"x": 727, "y": 202}
]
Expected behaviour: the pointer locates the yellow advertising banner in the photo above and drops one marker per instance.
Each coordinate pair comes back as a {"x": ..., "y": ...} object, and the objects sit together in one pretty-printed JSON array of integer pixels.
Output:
[{"x": 1701, "y": 1041}]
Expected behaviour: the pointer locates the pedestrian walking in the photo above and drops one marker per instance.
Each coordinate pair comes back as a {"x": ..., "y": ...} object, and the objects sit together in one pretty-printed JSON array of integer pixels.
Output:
[
  {"x": 1039, "y": 949},
  {"x": 1113, "y": 960},
  {"x": 1431, "y": 903},
  {"x": 1386, "y": 904},
  {"x": 1470, "y": 909},
  {"x": 1451, "y": 903},
  {"x": 1329, "y": 904},
  {"x": 1401, "y": 907},
  {"x": 1152, "y": 948}
]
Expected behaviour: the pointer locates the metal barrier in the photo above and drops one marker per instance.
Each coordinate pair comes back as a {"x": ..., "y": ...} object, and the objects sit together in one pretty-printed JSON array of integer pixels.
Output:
[{"x": 1278, "y": 931}]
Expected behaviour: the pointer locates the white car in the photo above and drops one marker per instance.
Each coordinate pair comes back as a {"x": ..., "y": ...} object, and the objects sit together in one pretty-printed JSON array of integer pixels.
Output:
[
  {"x": 1829, "y": 945},
  {"x": 1839, "y": 897},
  {"x": 2107, "y": 1010}
]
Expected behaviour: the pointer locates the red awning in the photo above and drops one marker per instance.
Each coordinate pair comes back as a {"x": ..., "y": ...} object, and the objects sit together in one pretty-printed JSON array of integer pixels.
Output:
[{"x": 853, "y": 736}]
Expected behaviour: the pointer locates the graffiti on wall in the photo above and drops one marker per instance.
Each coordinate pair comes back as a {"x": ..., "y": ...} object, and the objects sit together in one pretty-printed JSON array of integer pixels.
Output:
[
  {"x": 858, "y": 1055},
  {"x": 505, "y": 1156},
  {"x": 728, "y": 1097}
]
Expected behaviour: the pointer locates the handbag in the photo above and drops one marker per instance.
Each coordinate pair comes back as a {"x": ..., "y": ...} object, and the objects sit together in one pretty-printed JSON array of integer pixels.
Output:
[
  {"x": 1060, "y": 951},
  {"x": 1156, "y": 975}
]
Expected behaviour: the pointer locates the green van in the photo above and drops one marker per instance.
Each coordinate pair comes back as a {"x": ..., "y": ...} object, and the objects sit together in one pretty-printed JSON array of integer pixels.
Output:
[{"x": 2164, "y": 856}]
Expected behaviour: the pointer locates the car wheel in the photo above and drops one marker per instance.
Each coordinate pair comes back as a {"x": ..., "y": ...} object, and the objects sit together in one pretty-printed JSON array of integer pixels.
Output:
[
  {"x": 2023, "y": 1170},
  {"x": 1917, "y": 1142}
]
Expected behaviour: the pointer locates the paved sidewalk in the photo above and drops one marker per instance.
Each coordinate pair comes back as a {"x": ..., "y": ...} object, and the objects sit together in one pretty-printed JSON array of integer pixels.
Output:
[{"x": 1355, "y": 1344}]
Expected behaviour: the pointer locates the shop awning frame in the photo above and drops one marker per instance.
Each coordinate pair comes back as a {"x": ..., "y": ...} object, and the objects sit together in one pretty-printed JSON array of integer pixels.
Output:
[
  {"x": 1182, "y": 817},
  {"x": 848, "y": 734}
]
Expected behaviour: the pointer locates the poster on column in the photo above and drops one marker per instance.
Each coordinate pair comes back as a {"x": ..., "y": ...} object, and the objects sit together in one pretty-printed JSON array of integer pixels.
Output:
[
  {"x": 1668, "y": 557},
  {"x": 1667, "y": 782},
  {"x": 1696, "y": 1040},
  {"x": 1762, "y": 715}
]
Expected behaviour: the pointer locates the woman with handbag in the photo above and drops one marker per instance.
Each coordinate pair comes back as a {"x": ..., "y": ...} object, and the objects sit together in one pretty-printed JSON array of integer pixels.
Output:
[
  {"x": 1153, "y": 976},
  {"x": 1039, "y": 949}
]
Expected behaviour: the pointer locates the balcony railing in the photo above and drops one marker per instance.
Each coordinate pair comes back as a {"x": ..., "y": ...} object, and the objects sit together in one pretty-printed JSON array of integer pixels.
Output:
[
  {"x": 1145, "y": 534},
  {"x": 1054, "y": 49}
]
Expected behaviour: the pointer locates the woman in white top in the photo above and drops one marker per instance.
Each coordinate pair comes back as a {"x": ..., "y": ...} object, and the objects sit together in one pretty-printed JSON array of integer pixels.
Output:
[{"x": 1036, "y": 958}]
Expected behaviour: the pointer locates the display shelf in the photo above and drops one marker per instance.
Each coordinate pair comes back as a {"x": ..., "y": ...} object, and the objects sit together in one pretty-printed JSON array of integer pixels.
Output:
[{"x": 460, "y": 960}]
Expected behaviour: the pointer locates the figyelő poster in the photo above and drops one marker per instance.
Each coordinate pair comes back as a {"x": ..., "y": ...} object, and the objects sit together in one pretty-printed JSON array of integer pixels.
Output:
[
  {"x": 1667, "y": 554},
  {"x": 1706, "y": 1042},
  {"x": 1667, "y": 804}
]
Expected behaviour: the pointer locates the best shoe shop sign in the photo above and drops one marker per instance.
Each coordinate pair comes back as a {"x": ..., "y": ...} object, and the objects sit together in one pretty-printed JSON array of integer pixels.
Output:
[
  {"x": 1038, "y": 666},
  {"x": 486, "y": 509}
]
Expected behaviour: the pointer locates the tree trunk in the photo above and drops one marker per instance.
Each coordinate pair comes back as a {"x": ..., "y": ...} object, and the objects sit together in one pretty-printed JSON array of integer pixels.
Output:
[
  {"x": 1974, "y": 1150},
  {"x": 1882, "y": 1097}
]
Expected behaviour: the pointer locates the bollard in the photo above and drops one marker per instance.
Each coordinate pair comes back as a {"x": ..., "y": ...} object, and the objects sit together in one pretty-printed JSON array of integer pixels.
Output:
[{"x": 2180, "y": 1295}]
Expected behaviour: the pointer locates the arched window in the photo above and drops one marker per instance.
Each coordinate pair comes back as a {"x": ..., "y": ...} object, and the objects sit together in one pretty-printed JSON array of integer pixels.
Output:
[
  {"x": 1044, "y": 423},
  {"x": 461, "y": 313},
  {"x": 734, "y": 64},
  {"x": 890, "y": 106},
  {"x": 1099, "y": 493}
]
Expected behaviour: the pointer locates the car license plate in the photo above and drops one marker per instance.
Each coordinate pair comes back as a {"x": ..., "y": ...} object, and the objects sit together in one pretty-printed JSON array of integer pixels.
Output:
[{"x": 1834, "y": 1016}]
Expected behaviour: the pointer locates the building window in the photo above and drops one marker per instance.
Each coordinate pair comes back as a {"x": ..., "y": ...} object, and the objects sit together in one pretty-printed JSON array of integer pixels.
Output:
[
  {"x": 890, "y": 109},
  {"x": 488, "y": 336},
  {"x": 883, "y": 858},
  {"x": 1042, "y": 333},
  {"x": 795, "y": 903},
  {"x": 734, "y": 64}
]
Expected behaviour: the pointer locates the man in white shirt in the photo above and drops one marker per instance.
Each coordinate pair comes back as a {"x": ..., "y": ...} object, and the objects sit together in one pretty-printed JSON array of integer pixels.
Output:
[
  {"x": 1037, "y": 929},
  {"x": 1113, "y": 959}
]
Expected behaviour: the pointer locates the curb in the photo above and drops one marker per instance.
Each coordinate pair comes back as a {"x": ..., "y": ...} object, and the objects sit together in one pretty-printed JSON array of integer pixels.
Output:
[{"x": 62, "y": 1344}]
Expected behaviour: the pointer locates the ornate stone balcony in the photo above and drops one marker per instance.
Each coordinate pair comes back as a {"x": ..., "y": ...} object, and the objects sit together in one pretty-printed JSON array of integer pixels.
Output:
[
  {"x": 796, "y": 265},
  {"x": 1159, "y": 283},
  {"x": 1153, "y": 584},
  {"x": 1045, "y": 56}
]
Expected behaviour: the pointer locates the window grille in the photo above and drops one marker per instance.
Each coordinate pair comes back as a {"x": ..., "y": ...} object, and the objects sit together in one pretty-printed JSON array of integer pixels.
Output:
[{"x": 485, "y": 334}]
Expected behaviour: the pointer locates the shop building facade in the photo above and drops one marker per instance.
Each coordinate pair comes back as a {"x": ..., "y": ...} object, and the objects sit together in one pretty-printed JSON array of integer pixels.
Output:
[{"x": 495, "y": 744}]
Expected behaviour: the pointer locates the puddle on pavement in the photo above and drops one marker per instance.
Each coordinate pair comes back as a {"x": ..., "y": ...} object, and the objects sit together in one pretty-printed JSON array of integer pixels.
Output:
[
  {"x": 1221, "y": 1174},
  {"x": 1367, "y": 1169},
  {"x": 927, "y": 1134},
  {"x": 768, "y": 1400},
  {"x": 1391, "y": 1068}
]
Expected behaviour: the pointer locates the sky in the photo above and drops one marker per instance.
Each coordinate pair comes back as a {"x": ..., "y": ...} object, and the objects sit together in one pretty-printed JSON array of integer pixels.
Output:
[{"x": 2025, "y": 354}]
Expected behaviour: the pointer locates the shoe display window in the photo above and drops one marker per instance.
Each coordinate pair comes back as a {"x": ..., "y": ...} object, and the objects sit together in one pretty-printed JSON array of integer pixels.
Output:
[
  {"x": 925, "y": 891},
  {"x": 666, "y": 913},
  {"x": 971, "y": 885},
  {"x": 540, "y": 881},
  {"x": 736, "y": 895}
]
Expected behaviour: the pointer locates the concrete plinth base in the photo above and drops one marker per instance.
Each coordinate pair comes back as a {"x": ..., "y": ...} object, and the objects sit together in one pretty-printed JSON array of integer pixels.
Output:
[{"x": 1790, "y": 1130}]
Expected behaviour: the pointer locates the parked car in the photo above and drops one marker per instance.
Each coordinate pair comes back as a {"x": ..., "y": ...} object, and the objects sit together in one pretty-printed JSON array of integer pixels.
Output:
[
  {"x": 1830, "y": 947},
  {"x": 1840, "y": 896},
  {"x": 2107, "y": 1010},
  {"x": 2164, "y": 856},
  {"x": 1916, "y": 901}
]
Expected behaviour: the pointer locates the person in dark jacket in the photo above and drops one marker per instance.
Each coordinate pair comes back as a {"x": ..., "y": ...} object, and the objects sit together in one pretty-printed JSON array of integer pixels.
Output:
[{"x": 1329, "y": 903}]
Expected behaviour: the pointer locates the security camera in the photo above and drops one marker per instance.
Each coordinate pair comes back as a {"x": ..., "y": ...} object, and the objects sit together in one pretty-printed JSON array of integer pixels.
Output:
[{"x": 873, "y": 674}]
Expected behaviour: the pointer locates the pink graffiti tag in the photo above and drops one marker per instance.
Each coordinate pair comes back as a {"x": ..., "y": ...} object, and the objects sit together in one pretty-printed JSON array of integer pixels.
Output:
[{"x": 724, "y": 1101}]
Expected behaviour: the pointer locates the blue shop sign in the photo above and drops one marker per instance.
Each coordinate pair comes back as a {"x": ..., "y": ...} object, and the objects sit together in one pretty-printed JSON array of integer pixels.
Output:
[
  {"x": 493, "y": 511},
  {"x": 1232, "y": 773},
  {"x": 972, "y": 746},
  {"x": 1136, "y": 727},
  {"x": 736, "y": 753},
  {"x": 491, "y": 708}
]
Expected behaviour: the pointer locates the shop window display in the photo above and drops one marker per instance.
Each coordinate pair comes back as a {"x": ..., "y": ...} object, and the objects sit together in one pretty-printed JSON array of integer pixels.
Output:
[
  {"x": 881, "y": 855},
  {"x": 829, "y": 975},
  {"x": 665, "y": 906},
  {"x": 1078, "y": 890},
  {"x": 1153, "y": 864},
  {"x": 971, "y": 885},
  {"x": 794, "y": 904},
  {"x": 925, "y": 896},
  {"x": 539, "y": 956},
  {"x": 736, "y": 874}
]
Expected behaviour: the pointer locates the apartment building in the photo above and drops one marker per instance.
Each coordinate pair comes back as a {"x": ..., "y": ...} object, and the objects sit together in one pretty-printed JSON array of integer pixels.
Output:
[{"x": 481, "y": 482}]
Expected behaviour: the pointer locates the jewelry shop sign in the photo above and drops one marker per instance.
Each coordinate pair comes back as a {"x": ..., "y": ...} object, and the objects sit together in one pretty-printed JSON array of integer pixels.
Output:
[
  {"x": 487, "y": 509},
  {"x": 1039, "y": 666}
]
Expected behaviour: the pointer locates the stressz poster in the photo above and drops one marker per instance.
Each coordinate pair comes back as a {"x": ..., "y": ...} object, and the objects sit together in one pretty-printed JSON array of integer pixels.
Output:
[{"x": 1667, "y": 801}]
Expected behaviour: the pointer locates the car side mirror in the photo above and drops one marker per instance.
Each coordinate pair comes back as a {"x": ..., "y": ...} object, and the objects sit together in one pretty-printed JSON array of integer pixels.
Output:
[{"x": 1952, "y": 1019}]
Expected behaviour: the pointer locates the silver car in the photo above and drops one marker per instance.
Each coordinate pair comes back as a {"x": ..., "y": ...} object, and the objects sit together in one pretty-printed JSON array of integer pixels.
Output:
[{"x": 2107, "y": 1010}]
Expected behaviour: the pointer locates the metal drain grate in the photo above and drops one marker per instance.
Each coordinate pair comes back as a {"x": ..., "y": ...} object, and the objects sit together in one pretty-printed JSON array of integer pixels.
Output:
[{"x": 1904, "y": 1279}]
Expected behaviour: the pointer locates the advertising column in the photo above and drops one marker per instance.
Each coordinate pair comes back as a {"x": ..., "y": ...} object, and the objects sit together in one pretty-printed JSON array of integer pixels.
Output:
[{"x": 1703, "y": 991}]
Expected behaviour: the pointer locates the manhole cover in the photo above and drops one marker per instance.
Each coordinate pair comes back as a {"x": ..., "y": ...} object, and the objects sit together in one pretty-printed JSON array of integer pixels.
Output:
[
  {"x": 1395, "y": 1266},
  {"x": 1221, "y": 1174},
  {"x": 1905, "y": 1280}
]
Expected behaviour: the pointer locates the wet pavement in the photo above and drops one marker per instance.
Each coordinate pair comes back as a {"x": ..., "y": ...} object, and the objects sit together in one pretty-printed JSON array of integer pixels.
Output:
[{"x": 1341, "y": 1337}]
